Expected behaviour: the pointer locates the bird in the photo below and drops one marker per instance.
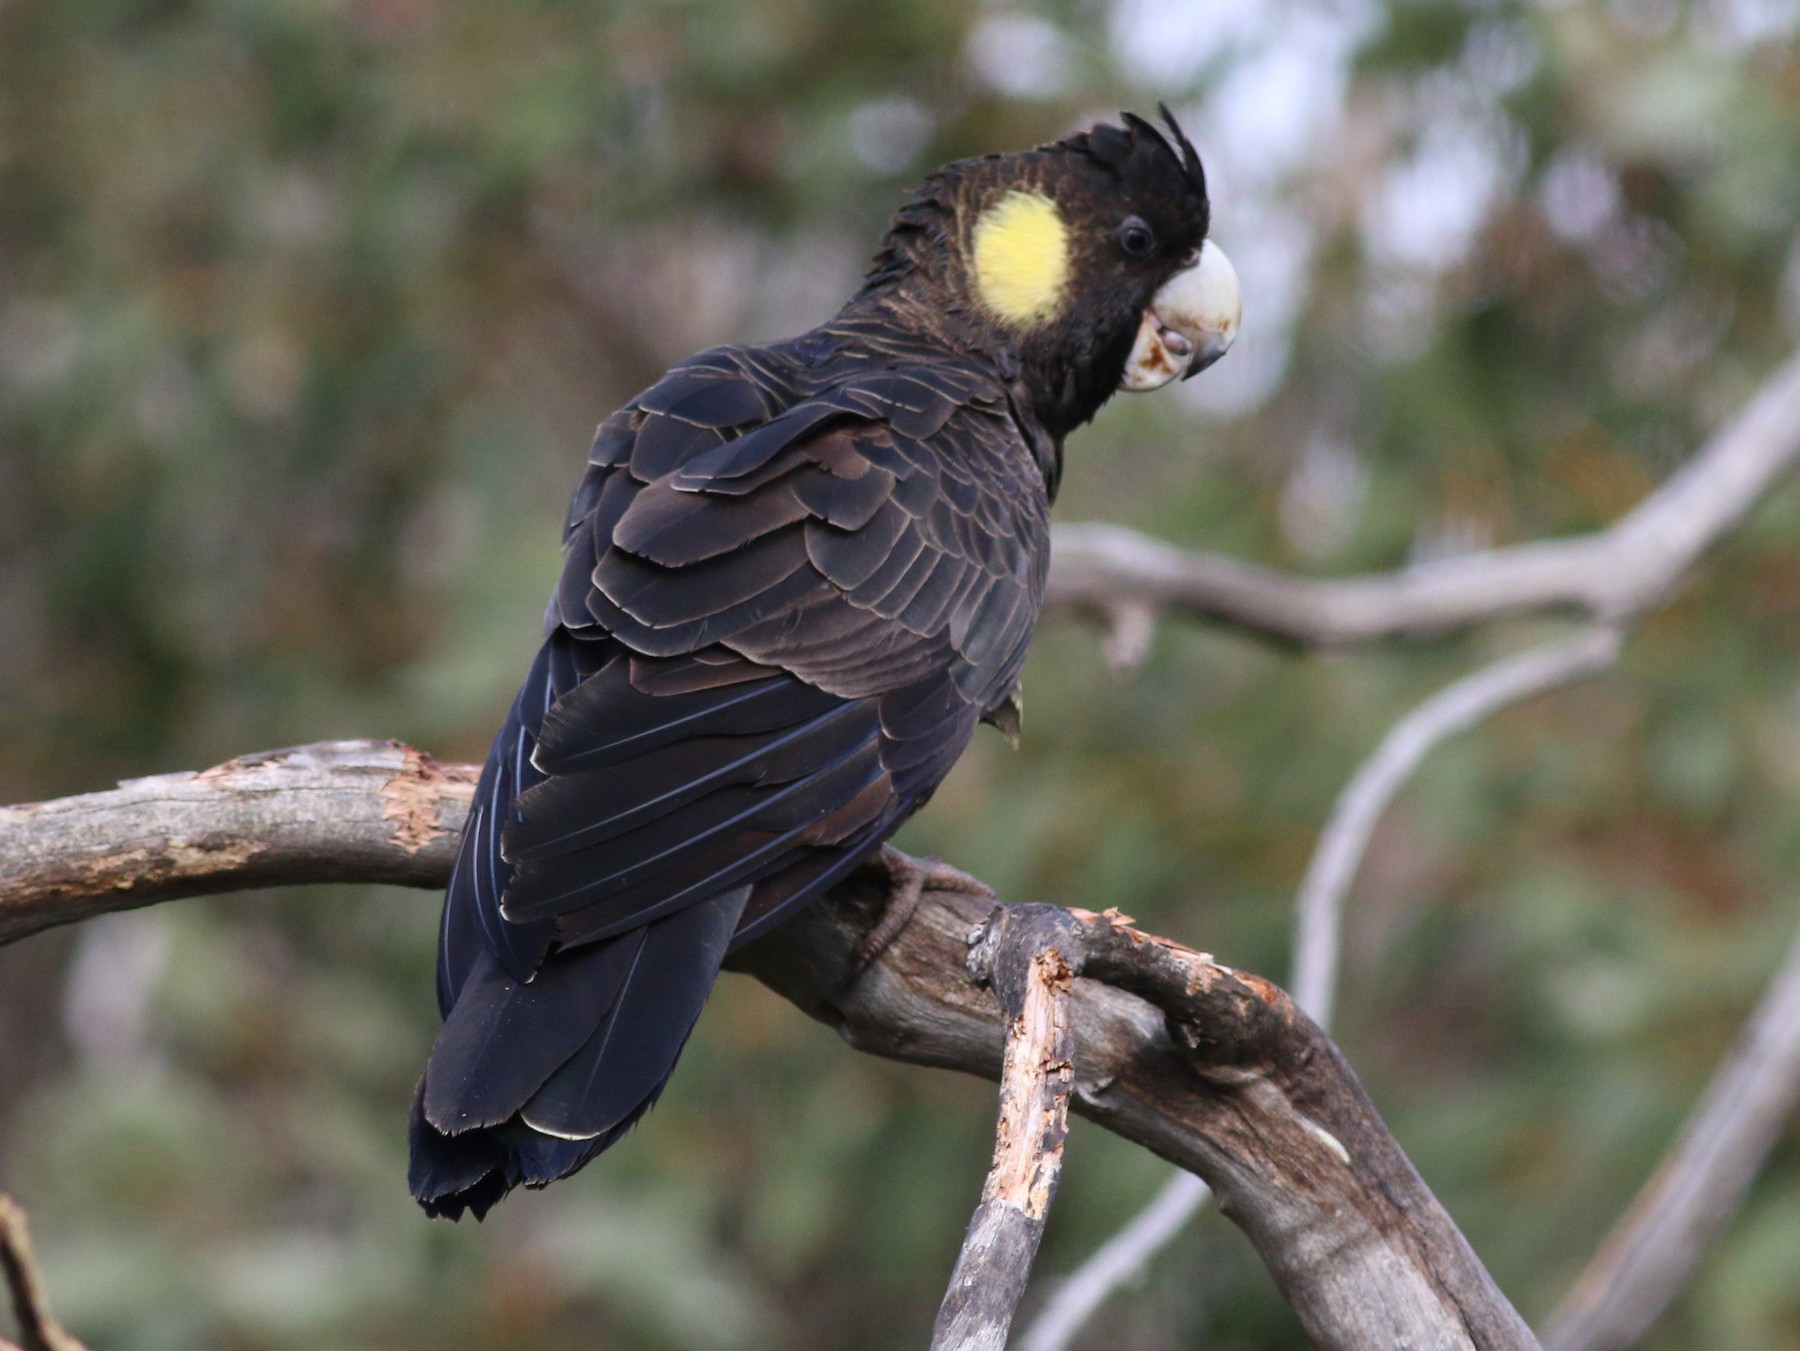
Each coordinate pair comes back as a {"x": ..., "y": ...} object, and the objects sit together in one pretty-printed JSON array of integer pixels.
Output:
[{"x": 796, "y": 578}]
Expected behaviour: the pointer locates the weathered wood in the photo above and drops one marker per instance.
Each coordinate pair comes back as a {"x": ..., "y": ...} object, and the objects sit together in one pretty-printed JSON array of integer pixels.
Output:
[
  {"x": 334, "y": 811},
  {"x": 1213, "y": 1069},
  {"x": 1028, "y": 955},
  {"x": 1302, "y": 1162}
]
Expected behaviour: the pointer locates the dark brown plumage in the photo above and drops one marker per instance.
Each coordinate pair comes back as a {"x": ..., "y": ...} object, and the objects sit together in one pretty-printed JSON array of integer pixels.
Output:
[{"x": 797, "y": 577}]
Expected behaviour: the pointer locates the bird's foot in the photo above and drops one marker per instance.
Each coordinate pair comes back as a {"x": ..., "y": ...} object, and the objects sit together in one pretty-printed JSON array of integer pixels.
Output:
[{"x": 908, "y": 880}]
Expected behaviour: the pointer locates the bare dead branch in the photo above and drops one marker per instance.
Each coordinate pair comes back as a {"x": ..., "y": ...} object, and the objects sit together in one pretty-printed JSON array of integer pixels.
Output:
[
  {"x": 129, "y": 847},
  {"x": 1319, "y": 921},
  {"x": 1460, "y": 705},
  {"x": 1028, "y": 955},
  {"x": 1213, "y": 1069},
  {"x": 334, "y": 811},
  {"x": 38, "y": 1328},
  {"x": 1652, "y": 1252},
  {"x": 1607, "y": 577},
  {"x": 1127, "y": 579},
  {"x": 1130, "y": 636},
  {"x": 1299, "y": 1116}
]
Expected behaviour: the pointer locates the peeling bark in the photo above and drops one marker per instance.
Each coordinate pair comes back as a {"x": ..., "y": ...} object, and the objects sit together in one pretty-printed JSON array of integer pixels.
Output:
[
  {"x": 336, "y": 811},
  {"x": 1027, "y": 955}
]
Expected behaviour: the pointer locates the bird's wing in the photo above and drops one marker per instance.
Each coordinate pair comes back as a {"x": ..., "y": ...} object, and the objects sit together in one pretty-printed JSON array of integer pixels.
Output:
[{"x": 778, "y": 624}]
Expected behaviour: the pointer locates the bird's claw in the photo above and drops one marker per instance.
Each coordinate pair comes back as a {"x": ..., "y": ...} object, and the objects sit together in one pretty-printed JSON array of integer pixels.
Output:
[{"x": 909, "y": 879}]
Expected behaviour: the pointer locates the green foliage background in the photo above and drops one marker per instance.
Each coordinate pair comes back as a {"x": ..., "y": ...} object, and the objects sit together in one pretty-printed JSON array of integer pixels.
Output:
[{"x": 307, "y": 308}]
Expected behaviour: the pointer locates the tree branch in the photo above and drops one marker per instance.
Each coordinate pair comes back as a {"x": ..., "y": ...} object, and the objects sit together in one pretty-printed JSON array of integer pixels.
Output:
[
  {"x": 223, "y": 829},
  {"x": 334, "y": 811},
  {"x": 38, "y": 1327},
  {"x": 1460, "y": 705},
  {"x": 1116, "y": 1263},
  {"x": 1319, "y": 915},
  {"x": 1213, "y": 1069},
  {"x": 1029, "y": 956},
  {"x": 1652, "y": 1252},
  {"x": 1105, "y": 570},
  {"x": 1126, "y": 579}
]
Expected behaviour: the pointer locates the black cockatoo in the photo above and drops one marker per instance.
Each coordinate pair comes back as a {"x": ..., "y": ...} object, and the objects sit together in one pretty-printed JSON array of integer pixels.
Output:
[{"x": 797, "y": 577}]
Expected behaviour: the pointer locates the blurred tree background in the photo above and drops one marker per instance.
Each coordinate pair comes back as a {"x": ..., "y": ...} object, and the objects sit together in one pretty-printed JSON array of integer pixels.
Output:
[{"x": 307, "y": 309}]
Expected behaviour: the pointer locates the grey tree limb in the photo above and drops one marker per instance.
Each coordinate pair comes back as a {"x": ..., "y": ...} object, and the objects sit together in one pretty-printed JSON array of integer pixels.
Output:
[
  {"x": 1029, "y": 956},
  {"x": 1319, "y": 908},
  {"x": 39, "y": 1329},
  {"x": 1120, "y": 575},
  {"x": 1128, "y": 579},
  {"x": 334, "y": 811},
  {"x": 1651, "y": 1254},
  {"x": 1213, "y": 1069},
  {"x": 1460, "y": 705}
]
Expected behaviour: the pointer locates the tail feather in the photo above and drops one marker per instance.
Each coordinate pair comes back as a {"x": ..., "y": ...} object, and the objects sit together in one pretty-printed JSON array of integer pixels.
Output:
[
  {"x": 530, "y": 1081},
  {"x": 451, "y": 1174},
  {"x": 630, "y": 1054},
  {"x": 504, "y": 1038}
]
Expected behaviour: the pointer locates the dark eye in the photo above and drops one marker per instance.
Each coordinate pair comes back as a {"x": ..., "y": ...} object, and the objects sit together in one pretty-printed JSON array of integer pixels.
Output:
[{"x": 1136, "y": 238}]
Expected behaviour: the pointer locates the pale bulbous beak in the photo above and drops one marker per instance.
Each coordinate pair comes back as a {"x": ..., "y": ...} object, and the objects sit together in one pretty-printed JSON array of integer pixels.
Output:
[{"x": 1191, "y": 322}]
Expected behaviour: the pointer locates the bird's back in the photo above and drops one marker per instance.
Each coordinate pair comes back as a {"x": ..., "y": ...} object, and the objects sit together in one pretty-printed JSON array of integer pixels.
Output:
[{"x": 796, "y": 578}]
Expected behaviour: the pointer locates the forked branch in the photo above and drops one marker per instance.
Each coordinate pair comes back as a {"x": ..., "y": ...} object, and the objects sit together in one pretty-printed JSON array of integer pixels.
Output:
[
  {"x": 1128, "y": 580},
  {"x": 1213, "y": 1069},
  {"x": 1319, "y": 912}
]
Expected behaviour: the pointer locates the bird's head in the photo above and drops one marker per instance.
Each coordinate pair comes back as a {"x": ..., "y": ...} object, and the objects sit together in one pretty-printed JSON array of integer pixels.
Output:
[{"x": 1084, "y": 264}]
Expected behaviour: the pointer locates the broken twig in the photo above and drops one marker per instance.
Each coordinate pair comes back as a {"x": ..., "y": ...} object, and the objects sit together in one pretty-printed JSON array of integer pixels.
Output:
[
  {"x": 1029, "y": 955},
  {"x": 38, "y": 1328}
]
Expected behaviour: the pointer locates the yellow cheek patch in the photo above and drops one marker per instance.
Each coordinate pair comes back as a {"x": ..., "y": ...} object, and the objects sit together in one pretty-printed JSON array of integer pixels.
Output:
[{"x": 1022, "y": 258}]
